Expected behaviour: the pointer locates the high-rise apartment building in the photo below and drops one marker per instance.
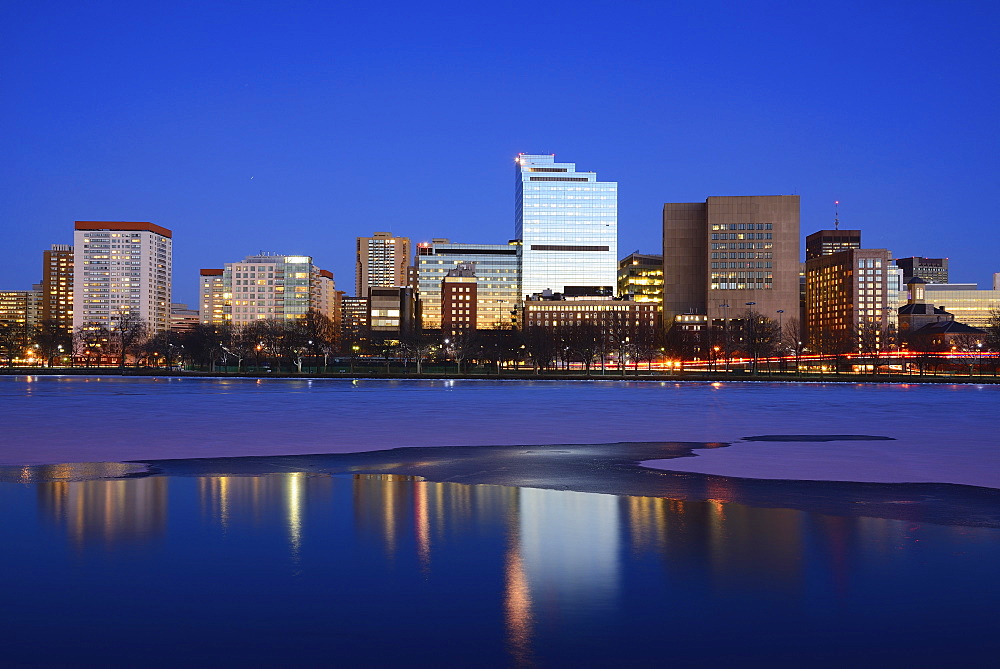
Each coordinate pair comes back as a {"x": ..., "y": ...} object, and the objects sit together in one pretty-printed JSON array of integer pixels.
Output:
[
  {"x": 20, "y": 308},
  {"x": 353, "y": 321},
  {"x": 825, "y": 242},
  {"x": 730, "y": 254},
  {"x": 567, "y": 223},
  {"x": 121, "y": 267},
  {"x": 641, "y": 276},
  {"x": 498, "y": 286},
  {"x": 57, "y": 286},
  {"x": 848, "y": 300},
  {"x": 265, "y": 287},
  {"x": 382, "y": 262},
  {"x": 931, "y": 270}
]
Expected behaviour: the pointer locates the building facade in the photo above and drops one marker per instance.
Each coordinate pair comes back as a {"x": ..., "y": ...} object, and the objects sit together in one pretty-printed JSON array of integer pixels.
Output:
[
  {"x": 641, "y": 276},
  {"x": 382, "y": 262},
  {"x": 57, "y": 286},
  {"x": 848, "y": 300},
  {"x": 825, "y": 242},
  {"x": 497, "y": 270},
  {"x": 931, "y": 270},
  {"x": 567, "y": 222},
  {"x": 118, "y": 268},
  {"x": 965, "y": 301},
  {"x": 729, "y": 254},
  {"x": 265, "y": 287},
  {"x": 459, "y": 300}
]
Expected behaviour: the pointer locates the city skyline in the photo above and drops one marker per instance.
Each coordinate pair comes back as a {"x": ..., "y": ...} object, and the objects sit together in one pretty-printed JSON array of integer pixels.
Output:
[{"x": 273, "y": 129}]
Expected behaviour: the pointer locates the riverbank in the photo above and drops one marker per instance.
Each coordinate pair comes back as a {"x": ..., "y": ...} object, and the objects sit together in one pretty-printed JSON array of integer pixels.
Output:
[{"x": 520, "y": 375}]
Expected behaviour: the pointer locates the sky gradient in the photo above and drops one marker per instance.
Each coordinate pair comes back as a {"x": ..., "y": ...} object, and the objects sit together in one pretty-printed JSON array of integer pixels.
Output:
[{"x": 295, "y": 127}]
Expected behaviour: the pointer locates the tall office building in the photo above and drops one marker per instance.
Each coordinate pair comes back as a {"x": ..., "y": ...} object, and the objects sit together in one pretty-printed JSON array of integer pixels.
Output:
[
  {"x": 729, "y": 254},
  {"x": 567, "y": 222},
  {"x": 57, "y": 286},
  {"x": 265, "y": 287},
  {"x": 931, "y": 270},
  {"x": 641, "y": 276},
  {"x": 497, "y": 269},
  {"x": 382, "y": 262},
  {"x": 825, "y": 242},
  {"x": 121, "y": 267}
]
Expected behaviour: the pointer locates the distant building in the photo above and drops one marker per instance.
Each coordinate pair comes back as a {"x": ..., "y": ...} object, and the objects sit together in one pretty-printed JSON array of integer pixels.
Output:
[
  {"x": 391, "y": 312},
  {"x": 459, "y": 300},
  {"x": 567, "y": 222},
  {"x": 641, "y": 275},
  {"x": 497, "y": 269},
  {"x": 19, "y": 308},
  {"x": 57, "y": 286},
  {"x": 552, "y": 311},
  {"x": 121, "y": 267},
  {"x": 382, "y": 262},
  {"x": 265, "y": 287},
  {"x": 926, "y": 327},
  {"x": 931, "y": 270},
  {"x": 353, "y": 321},
  {"x": 825, "y": 242},
  {"x": 183, "y": 319},
  {"x": 847, "y": 299},
  {"x": 965, "y": 301},
  {"x": 721, "y": 255}
]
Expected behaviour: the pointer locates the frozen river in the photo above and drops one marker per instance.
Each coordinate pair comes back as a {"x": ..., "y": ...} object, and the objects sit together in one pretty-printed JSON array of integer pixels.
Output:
[{"x": 937, "y": 433}]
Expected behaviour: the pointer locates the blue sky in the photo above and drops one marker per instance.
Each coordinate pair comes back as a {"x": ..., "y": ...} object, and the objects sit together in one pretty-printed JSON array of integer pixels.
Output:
[{"x": 295, "y": 127}]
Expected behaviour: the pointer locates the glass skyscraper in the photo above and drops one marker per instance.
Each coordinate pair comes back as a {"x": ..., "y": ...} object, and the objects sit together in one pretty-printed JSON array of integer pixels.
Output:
[{"x": 567, "y": 222}]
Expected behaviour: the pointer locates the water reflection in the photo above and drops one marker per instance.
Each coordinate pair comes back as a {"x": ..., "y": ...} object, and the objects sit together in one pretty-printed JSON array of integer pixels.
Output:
[
  {"x": 544, "y": 562},
  {"x": 107, "y": 512}
]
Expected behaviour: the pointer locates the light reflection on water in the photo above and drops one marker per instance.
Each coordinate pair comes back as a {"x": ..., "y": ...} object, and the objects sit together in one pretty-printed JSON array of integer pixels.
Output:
[{"x": 524, "y": 575}]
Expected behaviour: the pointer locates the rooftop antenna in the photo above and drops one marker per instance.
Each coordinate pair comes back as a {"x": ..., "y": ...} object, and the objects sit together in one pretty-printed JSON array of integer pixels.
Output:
[{"x": 836, "y": 214}]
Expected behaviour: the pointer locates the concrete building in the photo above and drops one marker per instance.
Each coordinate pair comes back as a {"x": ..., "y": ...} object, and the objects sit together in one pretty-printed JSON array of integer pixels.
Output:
[
  {"x": 121, "y": 267},
  {"x": 931, "y": 270},
  {"x": 459, "y": 300},
  {"x": 567, "y": 222},
  {"x": 498, "y": 286},
  {"x": 826, "y": 242},
  {"x": 265, "y": 287},
  {"x": 57, "y": 286},
  {"x": 721, "y": 255},
  {"x": 848, "y": 301},
  {"x": 20, "y": 308},
  {"x": 382, "y": 262},
  {"x": 641, "y": 276}
]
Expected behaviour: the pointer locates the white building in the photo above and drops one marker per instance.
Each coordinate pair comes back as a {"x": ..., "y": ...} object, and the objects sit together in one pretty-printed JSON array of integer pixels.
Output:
[
  {"x": 567, "y": 222},
  {"x": 265, "y": 287},
  {"x": 121, "y": 267}
]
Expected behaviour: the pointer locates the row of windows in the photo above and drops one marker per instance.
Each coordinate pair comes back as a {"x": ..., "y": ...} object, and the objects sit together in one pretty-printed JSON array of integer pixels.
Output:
[
  {"x": 741, "y": 265},
  {"x": 742, "y": 256},
  {"x": 744, "y": 246},
  {"x": 742, "y": 226},
  {"x": 742, "y": 235}
]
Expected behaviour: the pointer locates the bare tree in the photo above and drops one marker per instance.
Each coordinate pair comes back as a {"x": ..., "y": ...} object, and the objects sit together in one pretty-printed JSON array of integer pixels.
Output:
[
  {"x": 540, "y": 343},
  {"x": 128, "y": 331}
]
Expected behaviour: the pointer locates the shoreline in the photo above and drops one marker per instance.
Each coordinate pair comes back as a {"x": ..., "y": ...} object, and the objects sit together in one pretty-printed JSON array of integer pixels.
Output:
[
  {"x": 612, "y": 469},
  {"x": 642, "y": 375}
]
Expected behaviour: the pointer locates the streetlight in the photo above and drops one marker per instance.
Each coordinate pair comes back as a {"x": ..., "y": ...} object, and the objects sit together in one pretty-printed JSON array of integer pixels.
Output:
[
  {"x": 781, "y": 337},
  {"x": 725, "y": 320}
]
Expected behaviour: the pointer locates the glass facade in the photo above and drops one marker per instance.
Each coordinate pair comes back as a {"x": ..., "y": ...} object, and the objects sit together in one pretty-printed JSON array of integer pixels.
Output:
[
  {"x": 964, "y": 301},
  {"x": 497, "y": 269},
  {"x": 567, "y": 222}
]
